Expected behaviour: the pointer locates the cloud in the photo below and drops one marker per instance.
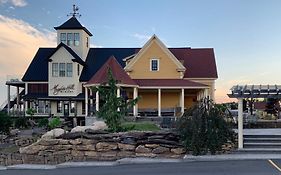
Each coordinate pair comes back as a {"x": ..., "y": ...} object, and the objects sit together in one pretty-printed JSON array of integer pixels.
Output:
[
  {"x": 16, "y": 3},
  {"x": 19, "y": 42},
  {"x": 95, "y": 46},
  {"x": 141, "y": 37}
]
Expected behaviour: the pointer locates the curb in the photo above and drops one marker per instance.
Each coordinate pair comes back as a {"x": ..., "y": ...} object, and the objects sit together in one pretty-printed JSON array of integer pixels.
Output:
[
  {"x": 188, "y": 158},
  {"x": 31, "y": 166}
]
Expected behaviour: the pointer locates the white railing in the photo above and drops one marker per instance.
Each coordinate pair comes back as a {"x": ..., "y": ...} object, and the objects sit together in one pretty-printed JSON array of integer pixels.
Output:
[
  {"x": 13, "y": 97},
  {"x": 14, "y": 78}
]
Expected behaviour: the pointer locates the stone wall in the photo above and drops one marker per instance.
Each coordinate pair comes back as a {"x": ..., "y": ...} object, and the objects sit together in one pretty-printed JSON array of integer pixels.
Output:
[
  {"x": 98, "y": 145},
  {"x": 101, "y": 146}
]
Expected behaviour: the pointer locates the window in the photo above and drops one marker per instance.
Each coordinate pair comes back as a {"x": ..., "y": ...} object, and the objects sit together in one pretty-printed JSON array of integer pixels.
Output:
[
  {"x": 69, "y": 69},
  {"x": 78, "y": 69},
  {"x": 154, "y": 65},
  {"x": 62, "y": 69},
  {"x": 72, "y": 107},
  {"x": 63, "y": 38},
  {"x": 69, "y": 39},
  {"x": 87, "y": 41},
  {"x": 55, "y": 69},
  {"x": 76, "y": 39},
  {"x": 59, "y": 107}
]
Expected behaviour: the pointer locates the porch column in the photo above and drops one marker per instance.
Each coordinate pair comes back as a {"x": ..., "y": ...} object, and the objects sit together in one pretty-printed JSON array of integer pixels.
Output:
[
  {"x": 91, "y": 102},
  {"x": 182, "y": 100},
  {"x": 97, "y": 101},
  {"x": 135, "y": 108},
  {"x": 8, "y": 99},
  {"x": 86, "y": 101},
  {"x": 240, "y": 123},
  {"x": 18, "y": 100},
  {"x": 159, "y": 102},
  {"x": 26, "y": 102},
  {"x": 118, "y": 95}
]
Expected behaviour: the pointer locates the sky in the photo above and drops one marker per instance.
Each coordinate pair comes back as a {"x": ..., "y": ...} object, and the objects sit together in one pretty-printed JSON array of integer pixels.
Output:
[{"x": 245, "y": 35}]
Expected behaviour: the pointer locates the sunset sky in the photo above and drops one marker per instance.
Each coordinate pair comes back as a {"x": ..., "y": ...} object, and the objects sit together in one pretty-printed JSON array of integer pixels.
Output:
[{"x": 246, "y": 35}]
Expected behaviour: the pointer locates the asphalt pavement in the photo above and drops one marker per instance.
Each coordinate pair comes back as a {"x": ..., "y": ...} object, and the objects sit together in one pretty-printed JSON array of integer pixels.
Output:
[{"x": 227, "y": 167}]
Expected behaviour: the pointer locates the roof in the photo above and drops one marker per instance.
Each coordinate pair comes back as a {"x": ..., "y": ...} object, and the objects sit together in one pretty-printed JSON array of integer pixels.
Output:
[
  {"x": 38, "y": 68},
  {"x": 168, "y": 83},
  {"x": 98, "y": 56},
  {"x": 118, "y": 73},
  {"x": 199, "y": 63},
  {"x": 73, "y": 23},
  {"x": 75, "y": 56},
  {"x": 44, "y": 96}
]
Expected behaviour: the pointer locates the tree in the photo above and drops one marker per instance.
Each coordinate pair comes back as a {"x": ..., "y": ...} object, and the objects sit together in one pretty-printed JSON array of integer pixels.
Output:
[
  {"x": 271, "y": 106},
  {"x": 113, "y": 109},
  {"x": 5, "y": 123},
  {"x": 204, "y": 128}
]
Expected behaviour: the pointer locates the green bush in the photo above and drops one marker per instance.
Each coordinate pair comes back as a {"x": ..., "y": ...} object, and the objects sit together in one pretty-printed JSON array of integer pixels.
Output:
[
  {"x": 204, "y": 128},
  {"x": 21, "y": 122},
  {"x": 43, "y": 122},
  {"x": 54, "y": 123},
  {"x": 5, "y": 123}
]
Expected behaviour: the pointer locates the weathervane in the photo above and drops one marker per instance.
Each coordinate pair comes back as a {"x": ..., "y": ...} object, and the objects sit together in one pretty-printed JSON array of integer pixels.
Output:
[{"x": 75, "y": 11}]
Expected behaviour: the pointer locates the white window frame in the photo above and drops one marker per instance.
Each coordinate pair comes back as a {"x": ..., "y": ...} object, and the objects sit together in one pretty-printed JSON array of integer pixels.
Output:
[
  {"x": 62, "y": 70},
  {"x": 55, "y": 73},
  {"x": 69, "y": 72},
  {"x": 63, "y": 40},
  {"x": 158, "y": 64},
  {"x": 76, "y": 37}
]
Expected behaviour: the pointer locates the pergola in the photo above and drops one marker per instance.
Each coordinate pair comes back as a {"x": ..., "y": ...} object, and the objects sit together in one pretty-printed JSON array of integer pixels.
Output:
[{"x": 241, "y": 92}]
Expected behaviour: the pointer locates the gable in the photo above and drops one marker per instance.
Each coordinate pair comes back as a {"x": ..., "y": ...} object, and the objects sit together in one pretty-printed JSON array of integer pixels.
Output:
[
  {"x": 169, "y": 66},
  {"x": 62, "y": 55}
]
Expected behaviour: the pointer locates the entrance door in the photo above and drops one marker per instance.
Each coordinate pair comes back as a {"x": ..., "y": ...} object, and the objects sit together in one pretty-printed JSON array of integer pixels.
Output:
[{"x": 66, "y": 109}]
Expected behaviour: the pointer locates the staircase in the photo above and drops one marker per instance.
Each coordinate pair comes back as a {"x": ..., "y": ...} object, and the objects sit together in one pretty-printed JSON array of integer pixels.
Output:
[{"x": 261, "y": 144}]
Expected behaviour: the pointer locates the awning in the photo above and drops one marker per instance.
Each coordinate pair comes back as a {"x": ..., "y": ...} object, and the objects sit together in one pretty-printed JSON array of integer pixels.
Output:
[{"x": 44, "y": 96}]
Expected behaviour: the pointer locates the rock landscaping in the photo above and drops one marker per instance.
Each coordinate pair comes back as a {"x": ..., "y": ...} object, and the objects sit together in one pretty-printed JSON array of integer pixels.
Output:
[{"x": 99, "y": 145}]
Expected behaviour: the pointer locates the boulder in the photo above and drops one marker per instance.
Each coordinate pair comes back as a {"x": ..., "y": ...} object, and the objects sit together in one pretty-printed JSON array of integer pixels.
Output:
[
  {"x": 98, "y": 125},
  {"x": 151, "y": 145},
  {"x": 75, "y": 142},
  {"x": 32, "y": 149},
  {"x": 142, "y": 149},
  {"x": 14, "y": 132},
  {"x": 47, "y": 142},
  {"x": 178, "y": 150},
  {"x": 54, "y": 133},
  {"x": 106, "y": 146},
  {"x": 160, "y": 150},
  {"x": 126, "y": 147}
]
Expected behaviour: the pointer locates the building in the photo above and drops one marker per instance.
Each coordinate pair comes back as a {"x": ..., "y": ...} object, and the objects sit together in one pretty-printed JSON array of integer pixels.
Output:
[{"x": 58, "y": 81}]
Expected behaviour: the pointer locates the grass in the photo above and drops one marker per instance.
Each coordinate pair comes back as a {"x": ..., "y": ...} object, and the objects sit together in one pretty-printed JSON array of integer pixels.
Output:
[{"x": 140, "y": 126}]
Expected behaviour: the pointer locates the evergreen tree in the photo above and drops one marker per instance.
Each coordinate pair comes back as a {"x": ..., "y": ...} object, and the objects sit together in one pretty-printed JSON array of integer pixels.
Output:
[{"x": 113, "y": 109}]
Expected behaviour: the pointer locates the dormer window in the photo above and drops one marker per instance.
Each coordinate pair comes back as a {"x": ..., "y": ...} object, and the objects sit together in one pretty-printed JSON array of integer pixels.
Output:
[
  {"x": 154, "y": 65},
  {"x": 62, "y": 69},
  {"x": 76, "y": 39},
  {"x": 69, "y": 39},
  {"x": 63, "y": 38}
]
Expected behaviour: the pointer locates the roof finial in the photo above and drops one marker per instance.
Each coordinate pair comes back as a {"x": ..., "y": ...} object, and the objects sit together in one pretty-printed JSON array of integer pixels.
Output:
[{"x": 75, "y": 11}]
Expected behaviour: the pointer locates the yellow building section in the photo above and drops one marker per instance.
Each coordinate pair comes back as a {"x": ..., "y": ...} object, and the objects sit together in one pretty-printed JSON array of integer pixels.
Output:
[
  {"x": 168, "y": 100},
  {"x": 189, "y": 101},
  {"x": 167, "y": 67}
]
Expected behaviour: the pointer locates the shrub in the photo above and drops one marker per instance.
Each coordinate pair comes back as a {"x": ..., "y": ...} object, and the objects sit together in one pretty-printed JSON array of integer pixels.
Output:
[
  {"x": 21, "y": 122},
  {"x": 204, "y": 128},
  {"x": 5, "y": 123},
  {"x": 43, "y": 122},
  {"x": 113, "y": 109},
  {"x": 54, "y": 123}
]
